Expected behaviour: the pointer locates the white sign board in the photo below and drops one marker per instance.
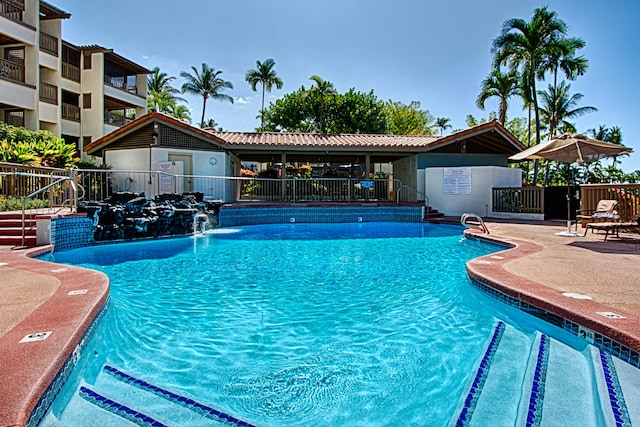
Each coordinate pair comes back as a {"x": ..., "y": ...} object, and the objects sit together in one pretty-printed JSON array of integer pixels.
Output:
[{"x": 457, "y": 181}]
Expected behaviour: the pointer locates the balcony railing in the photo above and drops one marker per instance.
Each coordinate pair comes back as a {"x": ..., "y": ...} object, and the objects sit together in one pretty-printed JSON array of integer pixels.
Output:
[
  {"x": 12, "y": 9},
  {"x": 11, "y": 70},
  {"x": 115, "y": 118},
  {"x": 49, "y": 44},
  {"x": 70, "y": 71},
  {"x": 48, "y": 93},
  {"x": 518, "y": 200},
  {"x": 70, "y": 112},
  {"x": 120, "y": 83}
]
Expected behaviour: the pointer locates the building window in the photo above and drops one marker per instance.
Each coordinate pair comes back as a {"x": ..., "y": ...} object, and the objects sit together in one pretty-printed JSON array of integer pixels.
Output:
[
  {"x": 14, "y": 117},
  {"x": 86, "y": 140},
  {"x": 87, "y": 62},
  {"x": 86, "y": 100}
]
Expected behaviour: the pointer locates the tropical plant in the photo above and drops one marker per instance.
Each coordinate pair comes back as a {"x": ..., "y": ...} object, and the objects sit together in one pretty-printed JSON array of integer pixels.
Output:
[
  {"x": 558, "y": 105},
  {"x": 266, "y": 76},
  {"x": 526, "y": 46},
  {"x": 562, "y": 57},
  {"x": 408, "y": 119},
  {"x": 612, "y": 135},
  {"x": 443, "y": 123},
  {"x": 322, "y": 90},
  {"x": 180, "y": 112},
  {"x": 19, "y": 145},
  {"x": 502, "y": 86},
  {"x": 207, "y": 83},
  {"x": 351, "y": 112},
  {"x": 159, "y": 85}
]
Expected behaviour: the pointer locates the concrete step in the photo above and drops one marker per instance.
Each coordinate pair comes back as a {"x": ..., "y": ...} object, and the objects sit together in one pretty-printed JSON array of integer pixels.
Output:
[
  {"x": 4, "y": 223},
  {"x": 17, "y": 231},
  {"x": 17, "y": 241}
]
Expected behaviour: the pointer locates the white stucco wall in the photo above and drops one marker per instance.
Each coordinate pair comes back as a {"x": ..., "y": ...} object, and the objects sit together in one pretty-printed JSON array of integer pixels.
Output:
[
  {"x": 483, "y": 179},
  {"x": 206, "y": 177}
]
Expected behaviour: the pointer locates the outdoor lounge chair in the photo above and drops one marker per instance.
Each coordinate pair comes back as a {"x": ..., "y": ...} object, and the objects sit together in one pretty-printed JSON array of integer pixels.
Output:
[
  {"x": 612, "y": 227},
  {"x": 605, "y": 211}
]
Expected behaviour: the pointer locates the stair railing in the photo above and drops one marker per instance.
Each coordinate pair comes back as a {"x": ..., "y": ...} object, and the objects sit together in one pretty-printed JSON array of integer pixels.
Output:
[
  {"x": 73, "y": 202},
  {"x": 408, "y": 187}
]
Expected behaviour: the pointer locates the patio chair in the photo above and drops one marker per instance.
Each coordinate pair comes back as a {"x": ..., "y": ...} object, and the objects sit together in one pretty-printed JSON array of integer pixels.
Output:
[
  {"x": 605, "y": 211},
  {"x": 613, "y": 228}
]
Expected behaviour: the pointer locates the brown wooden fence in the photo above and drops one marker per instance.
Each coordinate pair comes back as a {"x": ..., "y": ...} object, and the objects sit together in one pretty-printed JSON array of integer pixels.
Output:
[
  {"x": 518, "y": 199},
  {"x": 627, "y": 195}
]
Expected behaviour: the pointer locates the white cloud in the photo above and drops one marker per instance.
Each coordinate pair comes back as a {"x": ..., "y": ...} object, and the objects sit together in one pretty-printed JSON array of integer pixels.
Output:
[{"x": 240, "y": 100}]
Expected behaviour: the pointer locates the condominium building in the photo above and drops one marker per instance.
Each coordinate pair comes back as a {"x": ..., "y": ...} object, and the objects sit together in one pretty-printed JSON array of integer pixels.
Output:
[{"x": 77, "y": 92}]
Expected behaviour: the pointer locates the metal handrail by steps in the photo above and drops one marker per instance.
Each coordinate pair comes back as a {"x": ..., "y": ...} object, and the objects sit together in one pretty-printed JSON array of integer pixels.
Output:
[
  {"x": 470, "y": 220},
  {"x": 408, "y": 187},
  {"x": 59, "y": 179}
]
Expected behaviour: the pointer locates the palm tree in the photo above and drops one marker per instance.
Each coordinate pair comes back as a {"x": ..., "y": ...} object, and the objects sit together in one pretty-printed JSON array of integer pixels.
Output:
[
  {"x": 612, "y": 135},
  {"x": 266, "y": 76},
  {"x": 558, "y": 106},
  {"x": 443, "y": 123},
  {"x": 160, "y": 91},
  {"x": 562, "y": 58},
  {"x": 208, "y": 83},
  {"x": 502, "y": 86},
  {"x": 180, "y": 112},
  {"x": 322, "y": 89},
  {"x": 525, "y": 45}
]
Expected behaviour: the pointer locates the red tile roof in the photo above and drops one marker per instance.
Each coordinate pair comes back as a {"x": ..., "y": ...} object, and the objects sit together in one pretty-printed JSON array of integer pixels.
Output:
[
  {"x": 276, "y": 139},
  {"x": 285, "y": 140}
]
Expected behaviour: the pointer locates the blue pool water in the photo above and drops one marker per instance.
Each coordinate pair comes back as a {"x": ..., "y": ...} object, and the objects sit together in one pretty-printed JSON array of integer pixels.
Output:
[{"x": 296, "y": 324}]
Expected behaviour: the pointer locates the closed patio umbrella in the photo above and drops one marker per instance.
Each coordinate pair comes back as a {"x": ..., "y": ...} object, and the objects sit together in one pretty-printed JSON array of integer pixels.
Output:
[{"x": 571, "y": 148}]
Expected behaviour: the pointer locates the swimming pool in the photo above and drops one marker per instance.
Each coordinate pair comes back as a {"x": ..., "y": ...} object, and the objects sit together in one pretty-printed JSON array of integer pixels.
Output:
[{"x": 316, "y": 324}]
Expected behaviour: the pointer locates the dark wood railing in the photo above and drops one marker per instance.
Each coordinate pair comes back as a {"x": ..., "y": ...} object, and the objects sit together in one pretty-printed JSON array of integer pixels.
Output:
[
  {"x": 627, "y": 196},
  {"x": 49, "y": 44},
  {"x": 518, "y": 199},
  {"x": 70, "y": 71},
  {"x": 120, "y": 83},
  {"x": 11, "y": 70},
  {"x": 12, "y": 9},
  {"x": 115, "y": 118},
  {"x": 70, "y": 112},
  {"x": 48, "y": 93}
]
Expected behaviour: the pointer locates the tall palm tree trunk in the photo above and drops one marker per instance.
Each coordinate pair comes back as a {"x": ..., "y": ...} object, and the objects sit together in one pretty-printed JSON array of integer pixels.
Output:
[{"x": 204, "y": 107}]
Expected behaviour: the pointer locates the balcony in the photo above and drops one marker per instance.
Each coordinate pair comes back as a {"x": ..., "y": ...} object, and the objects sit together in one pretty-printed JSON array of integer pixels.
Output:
[
  {"x": 70, "y": 71},
  {"x": 49, "y": 93},
  {"x": 120, "y": 83},
  {"x": 70, "y": 112},
  {"x": 49, "y": 44},
  {"x": 115, "y": 118},
  {"x": 11, "y": 70},
  {"x": 12, "y": 9}
]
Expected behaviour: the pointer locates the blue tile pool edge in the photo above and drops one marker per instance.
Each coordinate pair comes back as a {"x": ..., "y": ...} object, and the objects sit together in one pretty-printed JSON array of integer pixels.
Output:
[
  {"x": 46, "y": 400},
  {"x": 602, "y": 342}
]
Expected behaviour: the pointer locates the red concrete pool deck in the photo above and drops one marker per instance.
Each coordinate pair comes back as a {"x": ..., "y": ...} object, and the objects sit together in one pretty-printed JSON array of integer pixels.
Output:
[
  {"x": 537, "y": 269},
  {"x": 41, "y": 303}
]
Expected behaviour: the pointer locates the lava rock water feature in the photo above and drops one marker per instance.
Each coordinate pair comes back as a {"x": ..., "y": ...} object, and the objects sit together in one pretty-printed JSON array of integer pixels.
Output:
[{"x": 132, "y": 215}]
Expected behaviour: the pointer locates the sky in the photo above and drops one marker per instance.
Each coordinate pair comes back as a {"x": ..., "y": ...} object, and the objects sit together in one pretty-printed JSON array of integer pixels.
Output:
[{"x": 434, "y": 52}]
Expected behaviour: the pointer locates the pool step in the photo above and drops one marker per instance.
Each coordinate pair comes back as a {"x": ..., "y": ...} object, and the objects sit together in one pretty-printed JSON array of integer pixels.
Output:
[
  {"x": 145, "y": 404},
  {"x": 539, "y": 380}
]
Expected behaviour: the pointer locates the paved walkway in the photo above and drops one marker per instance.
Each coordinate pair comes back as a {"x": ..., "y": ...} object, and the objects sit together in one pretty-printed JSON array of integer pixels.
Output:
[{"x": 608, "y": 271}]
